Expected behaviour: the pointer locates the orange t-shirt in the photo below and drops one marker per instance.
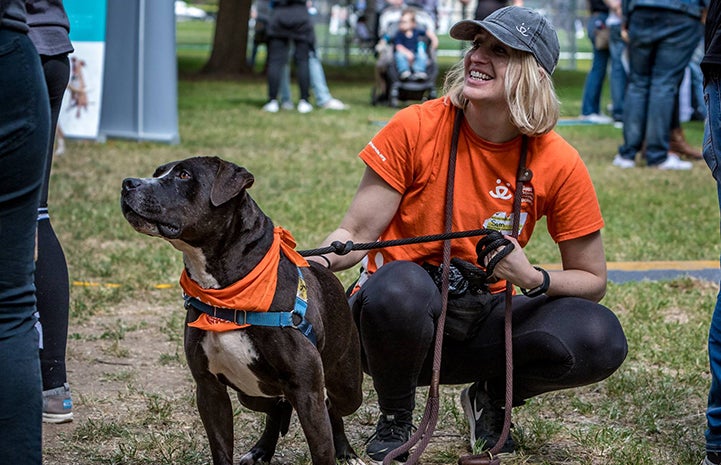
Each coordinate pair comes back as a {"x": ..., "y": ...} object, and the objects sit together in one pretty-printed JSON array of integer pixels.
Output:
[{"x": 411, "y": 154}]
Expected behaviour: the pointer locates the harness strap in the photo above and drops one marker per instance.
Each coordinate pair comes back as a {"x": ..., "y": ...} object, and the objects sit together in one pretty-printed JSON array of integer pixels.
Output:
[{"x": 276, "y": 319}]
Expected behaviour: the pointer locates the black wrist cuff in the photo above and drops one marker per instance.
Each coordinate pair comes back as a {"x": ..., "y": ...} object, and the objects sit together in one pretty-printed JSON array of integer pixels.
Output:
[{"x": 542, "y": 289}]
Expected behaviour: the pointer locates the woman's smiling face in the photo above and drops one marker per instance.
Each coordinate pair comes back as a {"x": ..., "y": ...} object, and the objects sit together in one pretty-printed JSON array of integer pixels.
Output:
[{"x": 486, "y": 63}]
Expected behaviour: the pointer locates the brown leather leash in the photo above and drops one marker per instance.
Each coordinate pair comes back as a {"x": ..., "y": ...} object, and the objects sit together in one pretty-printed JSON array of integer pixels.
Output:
[
  {"x": 427, "y": 425},
  {"x": 490, "y": 457}
]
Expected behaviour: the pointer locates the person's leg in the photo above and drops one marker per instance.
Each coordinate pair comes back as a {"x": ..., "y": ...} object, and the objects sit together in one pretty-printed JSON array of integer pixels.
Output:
[
  {"x": 641, "y": 48},
  {"x": 420, "y": 63},
  {"x": 697, "y": 100},
  {"x": 558, "y": 343},
  {"x": 395, "y": 312},
  {"x": 24, "y": 142},
  {"x": 51, "y": 274},
  {"x": 285, "y": 84},
  {"x": 680, "y": 34},
  {"x": 277, "y": 58},
  {"x": 317, "y": 80},
  {"x": 591, "y": 102},
  {"x": 403, "y": 67},
  {"x": 302, "y": 50},
  {"x": 618, "y": 76},
  {"x": 712, "y": 155}
]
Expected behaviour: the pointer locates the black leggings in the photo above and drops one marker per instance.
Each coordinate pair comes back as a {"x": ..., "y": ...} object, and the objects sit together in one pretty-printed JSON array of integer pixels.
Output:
[
  {"x": 558, "y": 343},
  {"x": 277, "y": 59},
  {"x": 51, "y": 273}
]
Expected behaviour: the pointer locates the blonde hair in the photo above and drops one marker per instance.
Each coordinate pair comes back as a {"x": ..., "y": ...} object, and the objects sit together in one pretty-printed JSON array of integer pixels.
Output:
[{"x": 531, "y": 97}]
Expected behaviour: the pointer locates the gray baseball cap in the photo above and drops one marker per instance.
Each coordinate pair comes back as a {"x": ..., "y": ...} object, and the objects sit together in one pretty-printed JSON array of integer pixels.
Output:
[{"x": 519, "y": 28}]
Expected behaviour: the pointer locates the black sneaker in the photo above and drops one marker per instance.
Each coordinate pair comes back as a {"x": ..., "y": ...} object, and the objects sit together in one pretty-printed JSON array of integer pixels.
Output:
[
  {"x": 712, "y": 458},
  {"x": 392, "y": 431},
  {"x": 485, "y": 418}
]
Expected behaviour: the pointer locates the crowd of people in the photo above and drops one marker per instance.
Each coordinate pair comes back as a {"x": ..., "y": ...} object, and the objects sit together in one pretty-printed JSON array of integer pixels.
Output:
[{"x": 496, "y": 119}]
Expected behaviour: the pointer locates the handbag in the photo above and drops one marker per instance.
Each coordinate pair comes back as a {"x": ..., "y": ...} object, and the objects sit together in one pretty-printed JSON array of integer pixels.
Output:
[{"x": 601, "y": 37}]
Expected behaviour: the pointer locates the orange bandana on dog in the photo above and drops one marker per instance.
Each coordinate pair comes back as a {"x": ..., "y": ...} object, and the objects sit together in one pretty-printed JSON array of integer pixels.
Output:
[{"x": 253, "y": 293}]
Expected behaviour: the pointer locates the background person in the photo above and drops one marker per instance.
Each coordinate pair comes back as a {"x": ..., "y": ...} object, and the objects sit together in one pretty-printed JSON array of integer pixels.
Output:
[
  {"x": 289, "y": 23},
  {"x": 711, "y": 66},
  {"x": 49, "y": 29},
  {"x": 562, "y": 337},
  {"x": 24, "y": 142},
  {"x": 596, "y": 29},
  {"x": 662, "y": 37},
  {"x": 410, "y": 54}
]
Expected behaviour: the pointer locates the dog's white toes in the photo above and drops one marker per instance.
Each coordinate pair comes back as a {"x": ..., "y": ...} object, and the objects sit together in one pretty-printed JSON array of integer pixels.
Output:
[{"x": 355, "y": 461}]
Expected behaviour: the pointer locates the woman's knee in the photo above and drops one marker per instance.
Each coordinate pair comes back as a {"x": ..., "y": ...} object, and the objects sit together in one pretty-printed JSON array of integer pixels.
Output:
[
  {"x": 599, "y": 338},
  {"x": 399, "y": 290}
]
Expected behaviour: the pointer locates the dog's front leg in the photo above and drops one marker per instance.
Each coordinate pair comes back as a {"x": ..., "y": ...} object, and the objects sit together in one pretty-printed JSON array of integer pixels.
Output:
[
  {"x": 309, "y": 401},
  {"x": 216, "y": 412}
]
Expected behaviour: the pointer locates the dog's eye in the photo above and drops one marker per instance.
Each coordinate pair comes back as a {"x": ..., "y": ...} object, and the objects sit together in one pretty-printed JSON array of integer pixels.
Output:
[{"x": 184, "y": 174}]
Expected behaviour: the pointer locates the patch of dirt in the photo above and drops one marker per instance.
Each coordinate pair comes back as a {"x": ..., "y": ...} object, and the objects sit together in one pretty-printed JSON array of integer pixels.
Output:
[{"x": 133, "y": 399}]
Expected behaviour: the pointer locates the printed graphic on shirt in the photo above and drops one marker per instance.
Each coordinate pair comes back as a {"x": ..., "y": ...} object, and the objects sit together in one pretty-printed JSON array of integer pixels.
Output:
[
  {"x": 378, "y": 152},
  {"x": 527, "y": 195},
  {"x": 502, "y": 191},
  {"x": 503, "y": 222}
]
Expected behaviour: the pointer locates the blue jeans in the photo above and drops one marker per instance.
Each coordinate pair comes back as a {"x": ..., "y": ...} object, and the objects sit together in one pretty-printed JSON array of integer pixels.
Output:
[
  {"x": 420, "y": 61},
  {"x": 24, "y": 140},
  {"x": 591, "y": 102},
  {"x": 660, "y": 46},
  {"x": 712, "y": 155},
  {"x": 619, "y": 78},
  {"x": 317, "y": 81}
]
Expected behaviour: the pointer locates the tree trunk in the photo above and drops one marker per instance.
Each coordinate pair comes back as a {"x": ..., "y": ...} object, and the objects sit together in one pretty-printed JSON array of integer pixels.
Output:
[{"x": 230, "y": 44}]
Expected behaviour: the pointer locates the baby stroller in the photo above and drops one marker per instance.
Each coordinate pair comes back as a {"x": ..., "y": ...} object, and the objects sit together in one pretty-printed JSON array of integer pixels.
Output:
[{"x": 389, "y": 89}]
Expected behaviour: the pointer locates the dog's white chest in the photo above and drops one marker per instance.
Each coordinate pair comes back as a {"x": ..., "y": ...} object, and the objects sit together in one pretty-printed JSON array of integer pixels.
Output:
[{"x": 231, "y": 353}]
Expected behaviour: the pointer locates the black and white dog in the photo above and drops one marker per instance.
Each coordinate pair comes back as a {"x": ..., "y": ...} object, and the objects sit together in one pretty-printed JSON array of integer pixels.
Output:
[{"x": 301, "y": 352}]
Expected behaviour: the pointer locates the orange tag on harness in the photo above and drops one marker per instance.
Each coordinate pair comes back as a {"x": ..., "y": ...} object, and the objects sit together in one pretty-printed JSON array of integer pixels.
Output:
[{"x": 211, "y": 323}]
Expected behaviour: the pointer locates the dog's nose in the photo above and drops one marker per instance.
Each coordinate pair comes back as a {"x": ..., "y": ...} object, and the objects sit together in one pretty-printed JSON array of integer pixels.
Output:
[{"x": 130, "y": 183}]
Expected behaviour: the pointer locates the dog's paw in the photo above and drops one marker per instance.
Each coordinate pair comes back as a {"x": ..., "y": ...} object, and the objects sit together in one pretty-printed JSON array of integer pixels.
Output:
[
  {"x": 351, "y": 461},
  {"x": 253, "y": 457}
]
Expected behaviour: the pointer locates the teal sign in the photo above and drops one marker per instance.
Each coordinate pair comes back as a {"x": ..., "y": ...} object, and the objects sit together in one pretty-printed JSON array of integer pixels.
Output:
[{"x": 87, "y": 19}]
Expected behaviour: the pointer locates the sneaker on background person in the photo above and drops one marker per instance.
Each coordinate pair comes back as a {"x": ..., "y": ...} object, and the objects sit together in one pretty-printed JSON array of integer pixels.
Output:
[
  {"x": 392, "y": 431},
  {"x": 58, "y": 405},
  {"x": 272, "y": 106},
  {"x": 485, "y": 418},
  {"x": 597, "y": 118},
  {"x": 334, "y": 104},
  {"x": 624, "y": 163},
  {"x": 304, "y": 106},
  {"x": 673, "y": 162},
  {"x": 287, "y": 105}
]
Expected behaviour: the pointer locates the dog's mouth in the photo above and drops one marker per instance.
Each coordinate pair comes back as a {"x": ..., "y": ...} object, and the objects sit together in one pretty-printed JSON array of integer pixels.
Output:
[{"x": 150, "y": 226}]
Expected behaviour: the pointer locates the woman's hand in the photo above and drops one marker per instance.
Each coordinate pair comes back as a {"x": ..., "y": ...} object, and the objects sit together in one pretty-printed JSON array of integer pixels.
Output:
[{"x": 583, "y": 275}]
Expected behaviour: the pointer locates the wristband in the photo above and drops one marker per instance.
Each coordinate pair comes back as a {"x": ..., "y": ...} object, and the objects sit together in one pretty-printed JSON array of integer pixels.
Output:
[
  {"x": 327, "y": 260},
  {"x": 542, "y": 289}
]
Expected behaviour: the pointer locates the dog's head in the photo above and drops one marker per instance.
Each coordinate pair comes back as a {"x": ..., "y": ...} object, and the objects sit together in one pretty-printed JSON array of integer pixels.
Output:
[{"x": 184, "y": 199}]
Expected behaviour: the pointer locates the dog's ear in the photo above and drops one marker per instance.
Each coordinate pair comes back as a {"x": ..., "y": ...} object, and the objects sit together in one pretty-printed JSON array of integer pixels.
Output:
[
  {"x": 162, "y": 169},
  {"x": 230, "y": 180}
]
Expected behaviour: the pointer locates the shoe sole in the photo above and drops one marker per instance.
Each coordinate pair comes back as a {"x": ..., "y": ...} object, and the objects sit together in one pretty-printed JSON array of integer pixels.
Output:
[
  {"x": 470, "y": 416},
  {"x": 57, "y": 418}
]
